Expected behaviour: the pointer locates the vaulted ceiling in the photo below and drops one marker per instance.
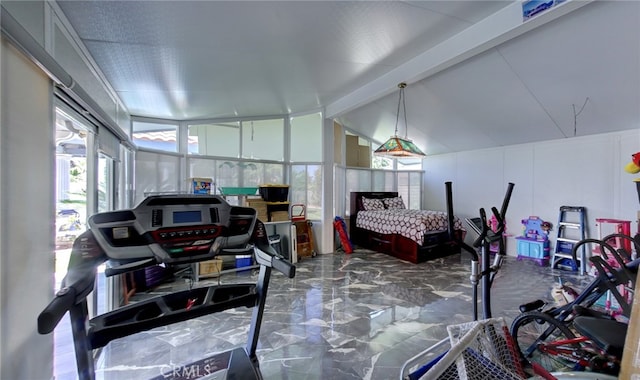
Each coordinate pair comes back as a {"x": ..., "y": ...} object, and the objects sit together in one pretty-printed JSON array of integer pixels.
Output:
[{"x": 478, "y": 76}]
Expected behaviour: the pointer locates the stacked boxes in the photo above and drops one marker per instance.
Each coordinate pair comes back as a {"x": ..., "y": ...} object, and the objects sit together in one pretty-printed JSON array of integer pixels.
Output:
[
  {"x": 260, "y": 206},
  {"x": 279, "y": 216}
]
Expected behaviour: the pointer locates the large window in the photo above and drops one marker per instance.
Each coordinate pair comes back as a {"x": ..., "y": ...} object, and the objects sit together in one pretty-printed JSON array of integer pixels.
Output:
[
  {"x": 408, "y": 184},
  {"x": 106, "y": 183},
  {"x": 157, "y": 136},
  {"x": 221, "y": 139},
  {"x": 156, "y": 173},
  {"x": 257, "y": 173},
  {"x": 87, "y": 171},
  {"x": 383, "y": 180},
  {"x": 409, "y": 163},
  {"x": 235, "y": 173},
  {"x": 72, "y": 185},
  {"x": 380, "y": 162},
  {"x": 306, "y": 188},
  {"x": 358, "y": 180},
  {"x": 306, "y": 133},
  {"x": 306, "y": 147},
  {"x": 410, "y": 188},
  {"x": 263, "y": 139}
]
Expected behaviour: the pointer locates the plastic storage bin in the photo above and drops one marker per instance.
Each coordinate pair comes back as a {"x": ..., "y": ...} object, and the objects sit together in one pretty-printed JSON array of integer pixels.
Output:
[
  {"x": 238, "y": 190},
  {"x": 274, "y": 193},
  {"x": 243, "y": 261}
]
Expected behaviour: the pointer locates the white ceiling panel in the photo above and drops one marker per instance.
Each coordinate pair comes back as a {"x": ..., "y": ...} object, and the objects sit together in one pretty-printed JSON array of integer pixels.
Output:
[
  {"x": 175, "y": 58},
  {"x": 218, "y": 59},
  {"x": 593, "y": 53},
  {"x": 526, "y": 89}
]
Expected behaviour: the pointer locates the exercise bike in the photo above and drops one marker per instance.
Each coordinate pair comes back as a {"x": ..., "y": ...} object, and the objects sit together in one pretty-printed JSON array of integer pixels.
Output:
[{"x": 576, "y": 336}]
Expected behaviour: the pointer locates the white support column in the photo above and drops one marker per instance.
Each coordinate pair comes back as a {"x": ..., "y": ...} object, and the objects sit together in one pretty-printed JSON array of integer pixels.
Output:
[{"x": 328, "y": 205}]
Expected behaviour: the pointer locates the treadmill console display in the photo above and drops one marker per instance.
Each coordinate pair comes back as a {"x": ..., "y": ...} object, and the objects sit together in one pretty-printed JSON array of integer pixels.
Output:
[
  {"x": 187, "y": 217},
  {"x": 173, "y": 229}
]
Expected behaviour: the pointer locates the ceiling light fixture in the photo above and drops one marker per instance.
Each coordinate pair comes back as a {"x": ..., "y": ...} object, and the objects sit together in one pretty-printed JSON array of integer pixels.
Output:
[{"x": 398, "y": 147}]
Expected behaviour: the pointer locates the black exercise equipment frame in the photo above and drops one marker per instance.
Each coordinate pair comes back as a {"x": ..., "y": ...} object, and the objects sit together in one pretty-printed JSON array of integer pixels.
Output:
[
  {"x": 87, "y": 254},
  {"x": 485, "y": 238}
]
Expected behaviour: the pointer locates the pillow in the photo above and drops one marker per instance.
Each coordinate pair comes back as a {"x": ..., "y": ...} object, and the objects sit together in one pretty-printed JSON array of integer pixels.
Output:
[
  {"x": 394, "y": 203},
  {"x": 370, "y": 204}
]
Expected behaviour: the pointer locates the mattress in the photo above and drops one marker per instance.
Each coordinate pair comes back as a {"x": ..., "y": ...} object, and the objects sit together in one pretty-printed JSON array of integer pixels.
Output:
[{"x": 412, "y": 224}]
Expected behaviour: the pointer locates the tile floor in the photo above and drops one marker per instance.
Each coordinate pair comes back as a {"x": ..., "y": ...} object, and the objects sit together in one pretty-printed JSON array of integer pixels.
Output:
[{"x": 357, "y": 316}]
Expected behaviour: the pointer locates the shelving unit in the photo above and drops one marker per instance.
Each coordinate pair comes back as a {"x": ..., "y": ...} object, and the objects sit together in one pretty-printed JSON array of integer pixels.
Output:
[
  {"x": 285, "y": 248},
  {"x": 195, "y": 267},
  {"x": 277, "y": 211}
]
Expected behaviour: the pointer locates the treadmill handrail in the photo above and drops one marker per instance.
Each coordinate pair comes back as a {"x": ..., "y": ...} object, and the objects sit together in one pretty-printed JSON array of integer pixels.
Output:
[
  {"x": 88, "y": 253},
  {"x": 55, "y": 310}
]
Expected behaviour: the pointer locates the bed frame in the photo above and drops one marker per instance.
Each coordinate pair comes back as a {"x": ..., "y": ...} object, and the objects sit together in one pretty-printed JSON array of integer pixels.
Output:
[{"x": 436, "y": 243}]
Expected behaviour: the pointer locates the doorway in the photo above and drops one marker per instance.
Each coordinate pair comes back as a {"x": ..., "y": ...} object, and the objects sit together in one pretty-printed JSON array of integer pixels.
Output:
[
  {"x": 72, "y": 186},
  {"x": 86, "y": 183}
]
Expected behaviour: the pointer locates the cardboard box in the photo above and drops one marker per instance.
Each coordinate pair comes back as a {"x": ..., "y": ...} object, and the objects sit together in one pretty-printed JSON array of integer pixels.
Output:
[
  {"x": 210, "y": 267},
  {"x": 279, "y": 216},
  {"x": 260, "y": 206}
]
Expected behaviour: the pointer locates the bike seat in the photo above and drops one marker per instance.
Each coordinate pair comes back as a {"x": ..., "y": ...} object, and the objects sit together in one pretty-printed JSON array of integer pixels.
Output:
[{"x": 605, "y": 333}]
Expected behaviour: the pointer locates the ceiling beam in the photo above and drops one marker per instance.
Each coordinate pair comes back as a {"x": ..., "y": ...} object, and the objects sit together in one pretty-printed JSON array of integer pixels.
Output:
[{"x": 494, "y": 30}]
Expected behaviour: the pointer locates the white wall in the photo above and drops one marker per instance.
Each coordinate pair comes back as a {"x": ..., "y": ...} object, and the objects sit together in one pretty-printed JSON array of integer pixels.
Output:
[
  {"x": 582, "y": 171},
  {"x": 26, "y": 212}
]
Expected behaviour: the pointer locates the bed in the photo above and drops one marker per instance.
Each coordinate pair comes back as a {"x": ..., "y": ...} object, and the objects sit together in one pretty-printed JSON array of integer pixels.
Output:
[{"x": 380, "y": 222}]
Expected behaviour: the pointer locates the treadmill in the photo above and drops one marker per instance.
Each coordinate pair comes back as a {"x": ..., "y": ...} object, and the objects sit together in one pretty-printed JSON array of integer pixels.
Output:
[{"x": 170, "y": 229}]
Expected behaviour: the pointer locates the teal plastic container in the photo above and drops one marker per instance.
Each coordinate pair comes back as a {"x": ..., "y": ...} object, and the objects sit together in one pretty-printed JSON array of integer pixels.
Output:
[{"x": 238, "y": 190}]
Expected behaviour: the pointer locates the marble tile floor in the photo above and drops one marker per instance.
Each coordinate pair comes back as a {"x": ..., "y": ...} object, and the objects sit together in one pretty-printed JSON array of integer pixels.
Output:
[{"x": 357, "y": 316}]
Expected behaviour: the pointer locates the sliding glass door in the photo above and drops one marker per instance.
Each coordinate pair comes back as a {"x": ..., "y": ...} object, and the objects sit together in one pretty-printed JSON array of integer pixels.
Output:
[{"x": 86, "y": 183}]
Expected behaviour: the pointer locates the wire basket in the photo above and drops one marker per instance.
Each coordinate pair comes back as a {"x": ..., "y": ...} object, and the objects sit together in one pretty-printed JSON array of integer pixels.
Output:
[{"x": 478, "y": 350}]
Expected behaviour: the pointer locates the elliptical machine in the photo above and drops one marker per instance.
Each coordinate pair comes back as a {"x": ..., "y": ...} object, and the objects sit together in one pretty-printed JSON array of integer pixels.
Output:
[
  {"x": 484, "y": 272},
  {"x": 480, "y": 272}
]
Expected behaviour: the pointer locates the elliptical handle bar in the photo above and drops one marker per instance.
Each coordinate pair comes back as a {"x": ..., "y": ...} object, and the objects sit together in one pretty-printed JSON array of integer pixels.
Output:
[
  {"x": 450, "y": 218},
  {"x": 505, "y": 202},
  {"x": 500, "y": 227},
  {"x": 501, "y": 216},
  {"x": 485, "y": 229},
  {"x": 266, "y": 255}
]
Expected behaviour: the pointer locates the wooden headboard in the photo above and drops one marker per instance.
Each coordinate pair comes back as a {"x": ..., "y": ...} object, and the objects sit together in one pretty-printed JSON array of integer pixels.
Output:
[{"x": 356, "y": 199}]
